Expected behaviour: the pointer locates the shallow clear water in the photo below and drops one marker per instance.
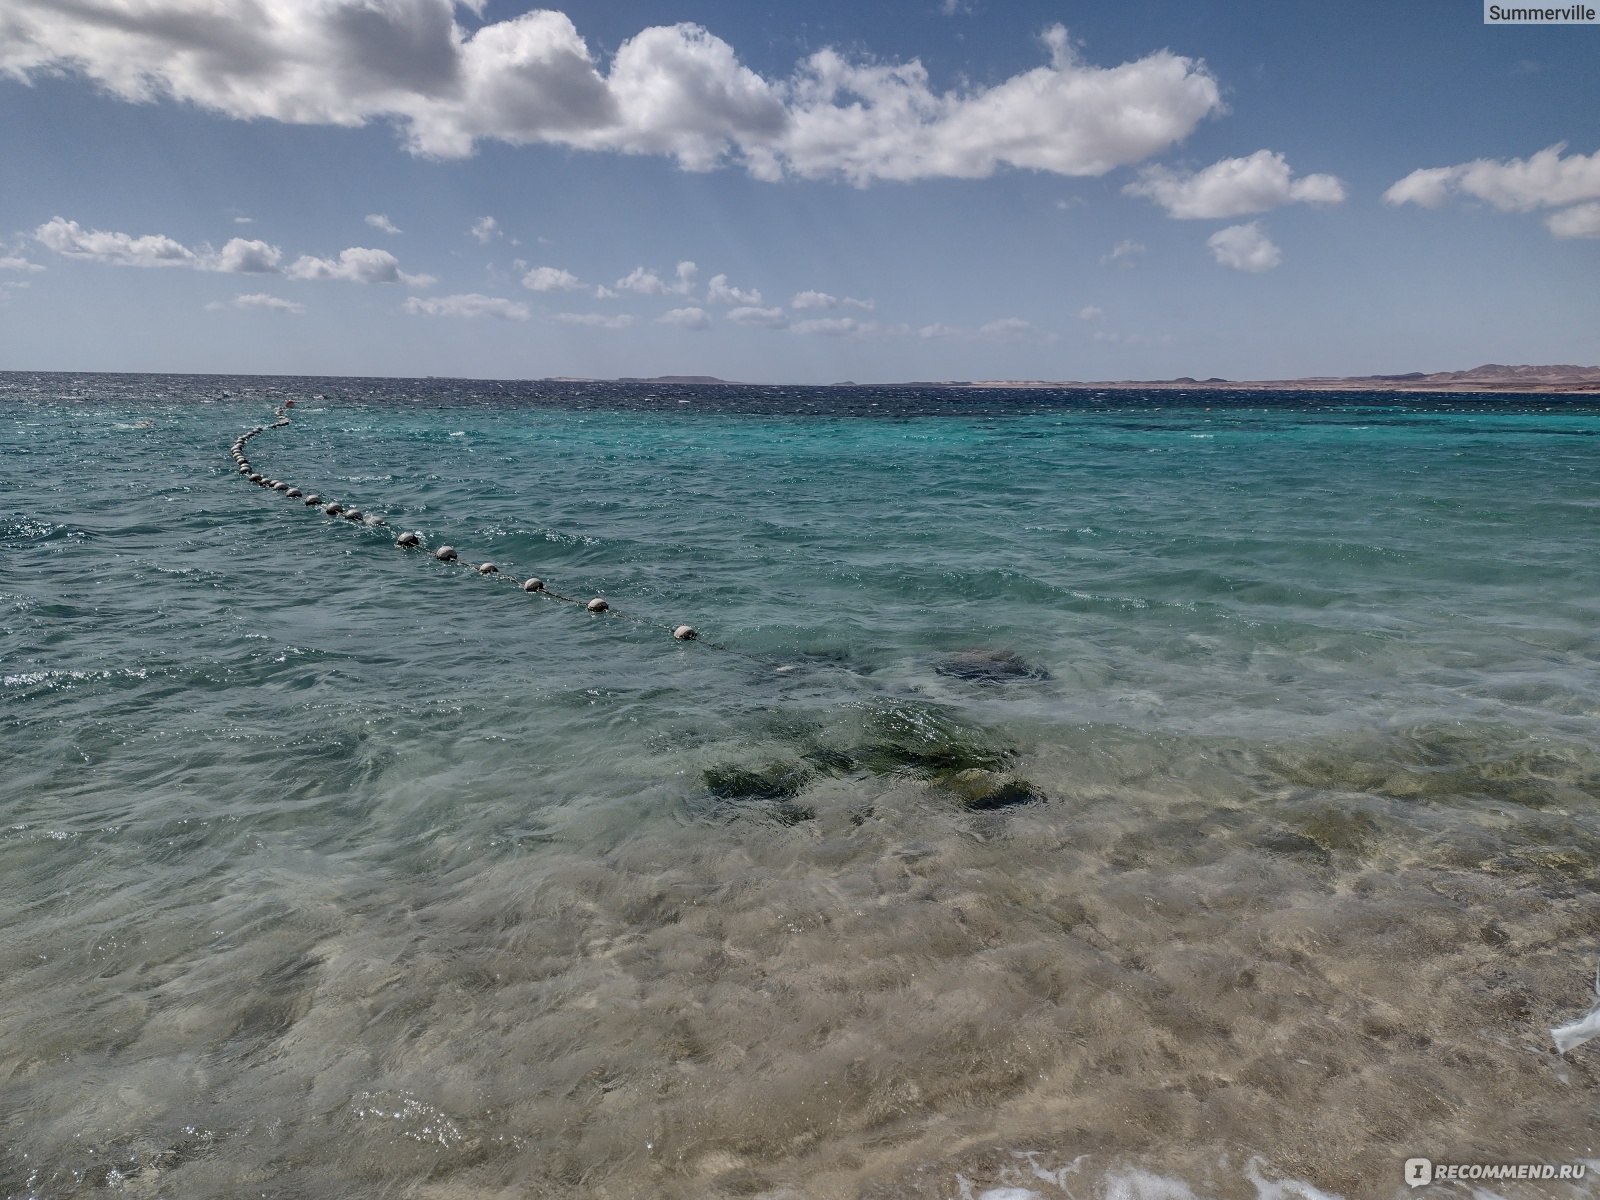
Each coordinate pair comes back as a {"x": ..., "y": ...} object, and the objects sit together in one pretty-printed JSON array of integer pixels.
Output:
[{"x": 1088, "y": 795}]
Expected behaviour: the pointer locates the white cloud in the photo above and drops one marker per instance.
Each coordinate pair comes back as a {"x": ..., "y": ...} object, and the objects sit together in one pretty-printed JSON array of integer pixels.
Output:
[
  {"x": 1580, "y": 221},
  {"x": 380, "y": 222},
  {"x": 805, "y": 300},
  {"x": 939, "y": 330},
  {"x": 259, "y": 300},
  {"x": 834, "y": 326},
  {"x": 551, "y": 279},
  {"x": 486, "y": 229},
  {"x": 602, "y": 292},
  {"x": 720, "y": 291},
  {"x": 865, "y": 122},
  {"x": 468, "y": 305},
  {"x": 1542, "y": 180},
  {"x": 243, "y": 220},
  {"x": 1429, "y": 187},
  {"x": 71, "y": 240},
  {"x": 12, "y": 262},
  {"x": 358, "y": 264},
  {"x": 676, "y": 90},
  {"x": 648, "y": 283},
  {"x": 248, "y": 257},
  {"x": 686, "y": 318},
  {"x": 758, "y": 318},
  {"x": 1234, "y": 187},
  {"x": 1090, "y": 312},
  {"x": 823, "y": 300},
  {"x": 1245, "y": 248},
  {"x": 1014, "y": 329},
  {"x": 595, "y": 320},
  {"x": 1123, "y": 253}
]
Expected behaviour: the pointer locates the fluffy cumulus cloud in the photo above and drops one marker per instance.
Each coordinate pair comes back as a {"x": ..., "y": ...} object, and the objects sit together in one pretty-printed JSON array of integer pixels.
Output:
[
  {"x": 468, "y": 305},
  {"x": 720, "y": 291},
  {"x": 648, "y": 283},
  {"x": 382, "y": 223},
  {"x": 485, "y": 229},
  {"x": 71, "y": 240},
  {"x": 259, "y": 301},
  {"x": 551, "y": 279},
  {"x": 15, "y": 262},
  {"x": 1550, "y": 178},
  {"x": 1234, "y": 187},
  {"x": 1091, "y": 312},
  {"x": 758, "y": 318},
  {"x": 687, "y": 318},
  {"x": 871, "y": 121},
  {"x": 674, "y": 90},
  {"x": 1579, "y": 221},
  {"x": 248, "y": 257},
  {"x": 358, "y": 264},
  {"x": 245, "y": 256},
  {"x": 1245, "y": 248}
]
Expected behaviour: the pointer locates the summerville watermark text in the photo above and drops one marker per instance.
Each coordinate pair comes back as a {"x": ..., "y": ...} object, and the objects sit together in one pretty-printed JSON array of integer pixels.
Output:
[{"x": 1539, "y": 14}]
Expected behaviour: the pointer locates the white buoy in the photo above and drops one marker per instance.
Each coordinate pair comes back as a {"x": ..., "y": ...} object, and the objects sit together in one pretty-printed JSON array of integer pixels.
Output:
[
  {"x": 408, "y": 540},
  {"x": 375, "y": 520},
  {"x": 352, "y": 514},
  {"x": 685, "y": 633},
  {"x": 255, "y": 477},
  {"x": 294, "y": 493},
  {"x": 333, "y": 508},
  {"x": 597, "y": 605},
  {"x": 244, "y": 468},
  {"x": 488, "y": 569},
  {"x": 282, "y": 487},
  {"x": 445, "y": 554},
  {"x": 313, "y": 500},
  {"x": 533, "y": 585}
]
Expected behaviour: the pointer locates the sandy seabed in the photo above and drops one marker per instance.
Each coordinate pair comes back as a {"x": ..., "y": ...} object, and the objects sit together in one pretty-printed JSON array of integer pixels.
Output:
[{"x": 1194, "y": 969}]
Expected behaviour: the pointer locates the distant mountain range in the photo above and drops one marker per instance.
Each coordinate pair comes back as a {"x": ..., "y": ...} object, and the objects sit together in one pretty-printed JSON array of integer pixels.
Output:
[{"x": 1491, "y": 377}]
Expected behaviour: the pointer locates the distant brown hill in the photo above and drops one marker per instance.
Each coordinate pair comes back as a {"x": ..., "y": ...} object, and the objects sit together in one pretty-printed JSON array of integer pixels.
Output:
[{"x": 1491, "y": 377}]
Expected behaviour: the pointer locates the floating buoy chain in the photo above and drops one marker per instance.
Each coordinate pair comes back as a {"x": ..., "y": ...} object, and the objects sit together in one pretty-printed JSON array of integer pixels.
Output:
[{"x": 412, "y": 540}]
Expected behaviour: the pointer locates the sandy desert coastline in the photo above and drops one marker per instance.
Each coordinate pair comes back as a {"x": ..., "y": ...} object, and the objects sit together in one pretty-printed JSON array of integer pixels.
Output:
[{"x": 1557, "y": 379}]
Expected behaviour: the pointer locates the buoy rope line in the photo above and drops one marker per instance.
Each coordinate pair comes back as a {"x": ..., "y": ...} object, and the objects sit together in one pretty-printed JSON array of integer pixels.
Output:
[{"x": 414, "y": 540}]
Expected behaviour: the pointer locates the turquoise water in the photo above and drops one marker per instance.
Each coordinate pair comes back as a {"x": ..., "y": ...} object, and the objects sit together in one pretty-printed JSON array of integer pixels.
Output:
[{"x": 1087, "y": 795}]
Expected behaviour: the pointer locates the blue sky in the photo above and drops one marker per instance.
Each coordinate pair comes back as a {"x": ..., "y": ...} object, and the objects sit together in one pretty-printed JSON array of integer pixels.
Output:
[{"x": 949, "y": 189}]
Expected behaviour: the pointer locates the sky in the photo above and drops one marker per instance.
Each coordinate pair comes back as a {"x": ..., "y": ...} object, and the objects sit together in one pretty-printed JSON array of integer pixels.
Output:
[{"x": 929, "y": 190}]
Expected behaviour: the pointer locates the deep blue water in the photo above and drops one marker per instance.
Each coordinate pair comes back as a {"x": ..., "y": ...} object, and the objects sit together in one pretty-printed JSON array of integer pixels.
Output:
[{"x": 1204, "y": 784}]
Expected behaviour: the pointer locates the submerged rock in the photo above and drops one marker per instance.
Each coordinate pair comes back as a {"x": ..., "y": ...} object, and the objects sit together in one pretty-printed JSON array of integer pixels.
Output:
[
  {"x": 775, "y": 781},
  {"x": 767, "y": 791},
  {"x": 985, "y": 791},
  {"x": 919, "y": 739},
  {"x": 988, "y": 666}
]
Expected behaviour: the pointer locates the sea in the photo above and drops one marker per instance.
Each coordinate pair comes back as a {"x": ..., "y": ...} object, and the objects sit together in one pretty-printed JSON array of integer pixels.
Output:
[{"x": 1067, "y": 794}]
